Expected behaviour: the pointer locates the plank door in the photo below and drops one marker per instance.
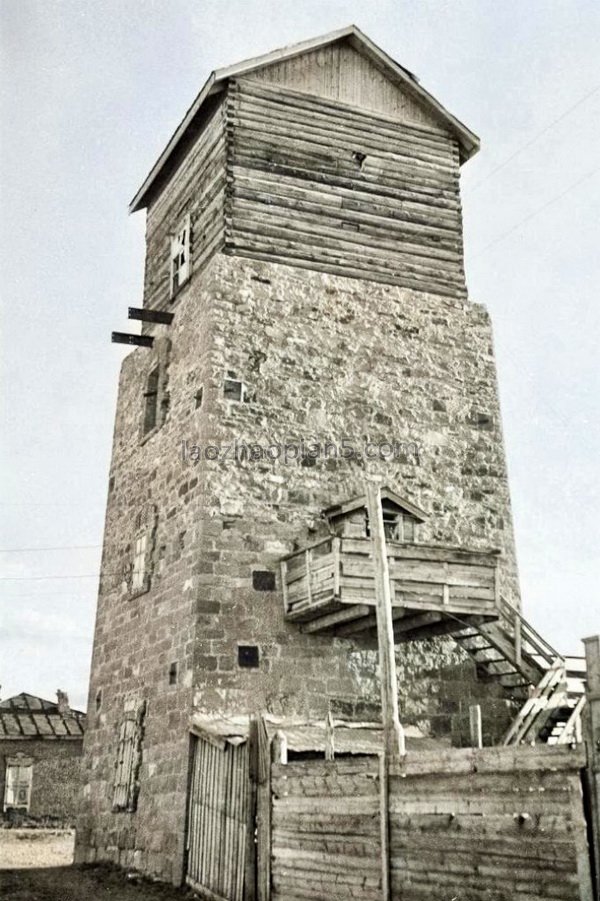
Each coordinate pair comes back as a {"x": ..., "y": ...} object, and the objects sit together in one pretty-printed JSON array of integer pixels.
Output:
[{"x": 217, "y": 820}]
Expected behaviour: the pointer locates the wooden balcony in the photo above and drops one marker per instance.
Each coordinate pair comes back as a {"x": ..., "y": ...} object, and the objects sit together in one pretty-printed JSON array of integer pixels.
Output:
[{"x": 331, "y": 586}]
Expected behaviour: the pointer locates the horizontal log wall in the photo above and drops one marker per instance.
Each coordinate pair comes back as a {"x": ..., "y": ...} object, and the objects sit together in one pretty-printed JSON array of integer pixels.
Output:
[
  {"x": 315, "y": 183},
  {"x": 498, "y": 824},
  {"x": 513, "y": 830},
  {"x": 326, "y": 830},
  {"x": 197, "y": 188}
]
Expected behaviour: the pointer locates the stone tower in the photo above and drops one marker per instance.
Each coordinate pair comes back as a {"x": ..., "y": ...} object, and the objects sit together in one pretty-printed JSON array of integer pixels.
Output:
[{"x": 304, "y": 253}]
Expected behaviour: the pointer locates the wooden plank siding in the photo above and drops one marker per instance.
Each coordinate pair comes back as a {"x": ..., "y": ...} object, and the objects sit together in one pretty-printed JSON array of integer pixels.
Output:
[
  {"x": 338, "y": 72},
  {"x": 318, "y": 184},
  {"x": 495, "y": 824}
]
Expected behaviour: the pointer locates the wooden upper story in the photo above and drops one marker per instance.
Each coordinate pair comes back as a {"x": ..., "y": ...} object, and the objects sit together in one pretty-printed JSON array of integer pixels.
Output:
[{"x": 326, "y": 155}]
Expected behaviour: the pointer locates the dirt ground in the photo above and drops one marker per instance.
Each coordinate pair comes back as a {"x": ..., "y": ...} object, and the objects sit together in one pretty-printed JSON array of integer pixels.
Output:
[{"x": 35, "y": 865}]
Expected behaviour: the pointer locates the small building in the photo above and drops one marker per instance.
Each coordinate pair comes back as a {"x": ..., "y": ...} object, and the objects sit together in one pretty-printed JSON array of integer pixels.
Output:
[{"x": 40, "y": 758}]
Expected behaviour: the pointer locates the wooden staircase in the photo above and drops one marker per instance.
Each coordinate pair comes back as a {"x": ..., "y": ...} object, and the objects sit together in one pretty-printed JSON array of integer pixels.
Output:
[{"x": 550, "y": 686}]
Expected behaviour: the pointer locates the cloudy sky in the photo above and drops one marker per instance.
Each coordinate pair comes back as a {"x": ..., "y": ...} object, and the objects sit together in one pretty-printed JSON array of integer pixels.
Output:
[{"x": 90, "y": 92}]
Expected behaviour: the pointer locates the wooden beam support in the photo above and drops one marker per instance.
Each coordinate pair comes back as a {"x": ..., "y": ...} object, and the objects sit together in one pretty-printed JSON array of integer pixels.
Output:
[
  {"x": 137, "y": 340},
  {"x": 158, "y": 316},
  {"x": 250, "y": 868},
  {"x": 394, "y": 749},
  {"x": 263, "y": 814},
  {"x": 475, "y": 726},
  {"x": 340, "y": 616},
  {"x": 393, "y": 732},
  {"x": 592, "y": 739},
  {"x": 357, "y": 625}
]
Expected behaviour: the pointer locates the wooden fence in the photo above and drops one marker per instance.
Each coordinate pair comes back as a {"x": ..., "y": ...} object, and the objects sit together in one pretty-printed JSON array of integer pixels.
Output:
[
  {"x": 217, "y": 820},
  {"x": 500, "y": 824}
]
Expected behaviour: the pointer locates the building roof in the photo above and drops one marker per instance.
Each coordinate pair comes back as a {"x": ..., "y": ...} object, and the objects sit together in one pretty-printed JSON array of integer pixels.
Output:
[
  {"x": 301, "y": 735},
  {"x": 25, "y": 716},
  {"x": 217, "y": 81},
  {"x": 387, "y": 494}
]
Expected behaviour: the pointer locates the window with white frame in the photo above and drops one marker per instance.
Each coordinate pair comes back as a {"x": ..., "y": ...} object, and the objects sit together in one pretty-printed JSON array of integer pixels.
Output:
[
  {"x": 17, "y": 784},
  {"x": 138, "y": 577},
  {"x": 180, "y": 255}
]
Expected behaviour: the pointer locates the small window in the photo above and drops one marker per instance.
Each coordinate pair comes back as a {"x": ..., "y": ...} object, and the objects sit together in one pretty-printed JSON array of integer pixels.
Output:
[
  {"x": 263, "y": 580},
  {"x": 199, "y": 396},
  {"x": 248, "y": 656},
  {"x": 129, "y": 758},
  {"x": 392, "y": 525},
  {"x": 180, "y": 256},
  {"x": 151, "y": 401},
  {"x": 173, "y": 674},
  {"x": 17, "y": 789},
  {"x": 98, "y": 699},
  {"x": 398, "y": 525},
  {"x": 139, "y": 563},
  {"x": 234, "y": 390}
]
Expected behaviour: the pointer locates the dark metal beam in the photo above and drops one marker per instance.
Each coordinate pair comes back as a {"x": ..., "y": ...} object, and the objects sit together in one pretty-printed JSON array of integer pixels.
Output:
[
  {"x": 151, "y": 315},
  {"x": 138, "y": 340}
]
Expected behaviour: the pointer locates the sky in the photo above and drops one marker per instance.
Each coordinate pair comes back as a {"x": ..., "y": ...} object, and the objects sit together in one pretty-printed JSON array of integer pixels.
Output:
[{"x": 90, "y": 92}]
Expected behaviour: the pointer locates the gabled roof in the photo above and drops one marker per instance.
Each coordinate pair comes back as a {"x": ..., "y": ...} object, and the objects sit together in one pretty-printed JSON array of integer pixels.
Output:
[
  {"x": 26, "y": 716},
  {"x": 217, "y": 80},
  {"x": 387, "y": 494}
]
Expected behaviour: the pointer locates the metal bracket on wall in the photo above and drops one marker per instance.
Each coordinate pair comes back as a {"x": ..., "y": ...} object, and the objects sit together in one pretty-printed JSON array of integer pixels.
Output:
[
  {"x": 159, "y": 316},
  {"x": 138, "y": 340}
]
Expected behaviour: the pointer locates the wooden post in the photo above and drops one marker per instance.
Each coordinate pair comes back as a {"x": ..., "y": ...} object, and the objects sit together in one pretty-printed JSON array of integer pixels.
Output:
[
  {"x": 250, "y": 867},
  {"x": 263, "y": 814},
  {"x": 393, "y": 734},
  {"x": 394, "y": 745},
  {"x": 592, "y": 737},
  {"x": 518, "y": 640},
  {"x": 329, "y": 738},
  {"x": 475, "y": 726}
]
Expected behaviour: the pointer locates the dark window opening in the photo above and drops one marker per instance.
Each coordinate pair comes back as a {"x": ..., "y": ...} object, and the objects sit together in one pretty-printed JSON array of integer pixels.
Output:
[
  {"x": 234, "y": 390},
  {"x": 198, "y": 397},
  {"x": 151, "y": 401},
  {"x": 173, "y": 674},
  {"x": 392, "y": 525},
  {"x": 98, "y": 699},
  {"x": 263, "y": 580},
  {"x": 248, "y": 656},
  {"x": 397, "y": 526}
]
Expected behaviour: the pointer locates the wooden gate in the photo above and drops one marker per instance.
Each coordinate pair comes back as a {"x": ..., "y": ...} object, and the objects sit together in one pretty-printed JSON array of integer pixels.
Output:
[{"x": 217, "y": 820}]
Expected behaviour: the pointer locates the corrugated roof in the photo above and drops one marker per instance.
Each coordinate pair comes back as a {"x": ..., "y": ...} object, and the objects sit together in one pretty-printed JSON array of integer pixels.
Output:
[
  {"x": 26, "y": 716},
  {"x": 468, "y": 140}
]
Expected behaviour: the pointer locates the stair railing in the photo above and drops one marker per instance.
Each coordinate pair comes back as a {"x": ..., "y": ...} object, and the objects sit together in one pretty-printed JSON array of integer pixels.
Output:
[
  {"x": 526, "y": 638},
  {"x": 551, "y": 681}
]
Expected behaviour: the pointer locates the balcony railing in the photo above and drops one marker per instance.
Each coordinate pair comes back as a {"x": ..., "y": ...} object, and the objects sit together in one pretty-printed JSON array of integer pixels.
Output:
[{"x": 331, "y": 585}]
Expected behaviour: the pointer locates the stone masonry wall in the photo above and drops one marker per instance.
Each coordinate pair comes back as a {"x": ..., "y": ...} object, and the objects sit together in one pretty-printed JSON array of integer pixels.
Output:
[
  {"x": 326, "y": 357},
  {"x": 56, "y": 786},
  {"x": 322, "y": 356}
]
